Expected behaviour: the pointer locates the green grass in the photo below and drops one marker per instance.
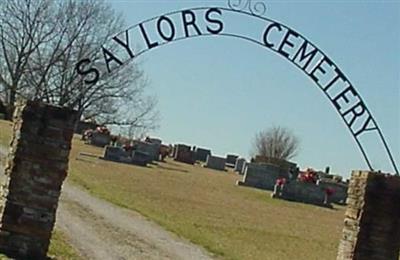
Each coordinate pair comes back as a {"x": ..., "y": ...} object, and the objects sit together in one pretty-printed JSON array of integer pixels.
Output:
[
  {"x": 59, "y": 247},
  {"x": 5, "y": 132},
  {"x": 206, "y": 207}
]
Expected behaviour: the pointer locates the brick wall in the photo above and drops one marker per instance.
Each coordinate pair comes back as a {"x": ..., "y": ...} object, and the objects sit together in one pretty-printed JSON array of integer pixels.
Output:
[
  {"x": 36, "y": 168},
  {"x": 372, "y": 219}
]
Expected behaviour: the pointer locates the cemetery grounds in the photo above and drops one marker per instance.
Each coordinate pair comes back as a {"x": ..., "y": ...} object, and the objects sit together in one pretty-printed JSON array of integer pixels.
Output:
[{"x": 205, "y": 207}]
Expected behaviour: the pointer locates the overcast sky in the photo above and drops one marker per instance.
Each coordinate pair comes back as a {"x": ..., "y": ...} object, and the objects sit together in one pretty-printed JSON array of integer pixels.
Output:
[{"x": 217, "y": 92}]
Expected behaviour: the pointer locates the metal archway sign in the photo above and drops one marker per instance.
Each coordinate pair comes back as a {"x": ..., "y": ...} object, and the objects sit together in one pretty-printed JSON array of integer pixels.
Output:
[{"x": 275, "y": 36}]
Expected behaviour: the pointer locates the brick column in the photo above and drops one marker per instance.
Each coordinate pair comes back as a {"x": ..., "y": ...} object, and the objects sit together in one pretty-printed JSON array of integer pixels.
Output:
[
  {"x": 36, "y": 168},
  {"x": 372, "y": 219}
]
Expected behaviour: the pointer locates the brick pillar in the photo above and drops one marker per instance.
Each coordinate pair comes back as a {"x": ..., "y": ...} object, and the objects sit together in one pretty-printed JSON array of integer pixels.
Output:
[
  {"x": 36, "y": 168},
  {"x": 372, "y": 219}
]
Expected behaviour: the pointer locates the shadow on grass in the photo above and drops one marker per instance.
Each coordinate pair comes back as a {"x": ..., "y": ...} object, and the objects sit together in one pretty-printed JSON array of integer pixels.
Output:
[
  {"x": 326, "y": 206},
  {"x": 171, "y": 168}
]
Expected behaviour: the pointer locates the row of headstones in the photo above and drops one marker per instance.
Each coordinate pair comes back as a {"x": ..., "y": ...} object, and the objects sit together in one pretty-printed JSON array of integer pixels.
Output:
[
  {"x": 264, "y": 176},
  {"x": 37, "y": 165},
  {"x": 187, "y": 154},
  {"x": 256, "y": 175},
  {"x": 241, "y": 163},
  {"x": 146, "y": 152},
  {"x": 231, "y": 161}
]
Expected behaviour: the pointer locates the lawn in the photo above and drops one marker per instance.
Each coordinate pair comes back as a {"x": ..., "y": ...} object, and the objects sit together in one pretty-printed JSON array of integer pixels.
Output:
[
  {"x": 207, "y": 208},
  {"x": 59, "y": 247},
  {"x": 5, "y": 132}
]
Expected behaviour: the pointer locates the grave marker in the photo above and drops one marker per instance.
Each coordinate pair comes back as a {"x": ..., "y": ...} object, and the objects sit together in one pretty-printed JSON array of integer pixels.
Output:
[{"x": 215, "y": 162}]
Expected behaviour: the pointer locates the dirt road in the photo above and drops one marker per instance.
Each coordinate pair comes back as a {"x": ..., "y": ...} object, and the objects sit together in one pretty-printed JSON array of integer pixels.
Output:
[{"x": 101, "y": 230}]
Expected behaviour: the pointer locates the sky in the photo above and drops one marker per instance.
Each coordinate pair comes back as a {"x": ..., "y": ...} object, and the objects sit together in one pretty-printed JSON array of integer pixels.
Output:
[{"x": 218, "y": 92}]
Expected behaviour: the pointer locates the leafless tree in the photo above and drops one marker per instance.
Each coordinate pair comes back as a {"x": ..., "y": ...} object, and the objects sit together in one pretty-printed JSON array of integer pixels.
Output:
[
  {"x": 24, "y": 26},
  {"x": 276, "y": 142},
  {"x": 40, "y": 43}
]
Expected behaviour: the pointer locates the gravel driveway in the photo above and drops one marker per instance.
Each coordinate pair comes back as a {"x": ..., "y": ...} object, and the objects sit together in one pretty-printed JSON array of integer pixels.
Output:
[{"x": 101, "y": 230}]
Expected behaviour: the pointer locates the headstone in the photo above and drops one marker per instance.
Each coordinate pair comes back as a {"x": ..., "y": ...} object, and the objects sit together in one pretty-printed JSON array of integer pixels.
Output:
[
  {"x": 117, "y": 154},
  {"x": 140, "y": 158},
  {"x": 215, "y": 162},
  {"x": 340, "y": 190},
  {"x": 372, "y": 218},
  {"x": 180, "y": 148},
  {"x": 262, "y": 176},
  {"x": 36, "y": 168},
  {"x": 244, "y": 168},
  {"x": 152, "y": 149},
  {"x": 82, "y": 126},
  {"x": 99, "y": 139},
  {"x": 239, "y": 164},
  {"x": 201, "y": 154},
  {"x": 183, "y": 153},
  {"x": 305, "y": 192},
  {"x": 281, "y": 163},
  {"x": 231, "y": 160},
  {"x": 327, "y": 169},
  {"x": 154, "y": 140}
]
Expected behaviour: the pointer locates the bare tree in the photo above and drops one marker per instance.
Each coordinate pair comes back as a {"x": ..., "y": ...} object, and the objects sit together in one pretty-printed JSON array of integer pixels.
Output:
[
  {"x": 24, "y": 26},
  {"x": 40, "y": 43},
  {"x": 276, "y": 142}
]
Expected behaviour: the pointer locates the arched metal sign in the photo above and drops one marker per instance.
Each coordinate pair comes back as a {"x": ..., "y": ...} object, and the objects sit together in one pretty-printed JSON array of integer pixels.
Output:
[{"x": 277, "y": 37}]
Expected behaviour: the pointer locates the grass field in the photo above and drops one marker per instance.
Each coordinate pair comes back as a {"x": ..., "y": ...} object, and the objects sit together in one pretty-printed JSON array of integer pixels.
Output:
[
  {"x": 5, "y": 132},
  {"x": 206, "y": 207},
  {"x": 59, "y": 247}
]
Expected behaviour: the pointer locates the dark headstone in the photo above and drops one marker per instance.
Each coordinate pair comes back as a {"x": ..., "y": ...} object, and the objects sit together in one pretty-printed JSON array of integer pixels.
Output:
[
  {"x": 201, "y": 154},
  {"x": 305, "y": 192},
  {"x": 215, "y": 162},
  {"x": 82, "y": 126},
  {"x": 119, "y": 154},
  {"x": 239, "y": 164},
  {"x": 152, "y": 149},
  {"x": 99, "y": 139},
  {"x": 231, "y": 160},
  {"x": 183, "y": 153}
]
